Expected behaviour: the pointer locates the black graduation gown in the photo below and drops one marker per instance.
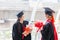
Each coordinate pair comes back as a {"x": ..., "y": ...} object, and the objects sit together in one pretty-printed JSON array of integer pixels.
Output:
[
  {"x": 18, "y": 30},
  {"x": 48, "y": 31}
]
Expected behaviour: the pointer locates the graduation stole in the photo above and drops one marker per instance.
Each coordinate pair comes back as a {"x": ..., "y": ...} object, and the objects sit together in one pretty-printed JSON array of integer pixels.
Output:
[
  {"x": 22, "y": 36},
  {"x": 55, "y": 33}
]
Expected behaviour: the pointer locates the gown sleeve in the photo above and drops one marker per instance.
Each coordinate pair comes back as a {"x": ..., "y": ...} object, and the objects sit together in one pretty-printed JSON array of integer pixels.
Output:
[
  {"x": 47, "y": 32},
  {"x": 15, "y": 34}
]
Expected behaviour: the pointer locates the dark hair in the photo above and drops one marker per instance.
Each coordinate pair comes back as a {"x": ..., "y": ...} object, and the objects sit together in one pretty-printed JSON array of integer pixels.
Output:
[
  {"x": 18, "y": 20},
  {"x": 49, "y": 11}
]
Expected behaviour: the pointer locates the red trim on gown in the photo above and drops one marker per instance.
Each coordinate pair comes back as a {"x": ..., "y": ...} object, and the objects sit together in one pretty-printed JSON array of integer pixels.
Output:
[
  {"x": 55, "y": 32},
  {"x": 22, "y": 34}
]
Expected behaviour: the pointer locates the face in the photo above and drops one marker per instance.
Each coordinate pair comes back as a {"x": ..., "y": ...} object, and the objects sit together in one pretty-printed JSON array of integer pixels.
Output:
[
  {"x": 22, "y": 18},
  {"x": 46, "y": 16},
  {"x": 53, "y": 14}
]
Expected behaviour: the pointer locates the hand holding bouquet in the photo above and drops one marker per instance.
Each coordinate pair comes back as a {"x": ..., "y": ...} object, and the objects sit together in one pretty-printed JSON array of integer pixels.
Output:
[
  {"x": 38, "y": 25},
  {"x": 28, "y": 30}
]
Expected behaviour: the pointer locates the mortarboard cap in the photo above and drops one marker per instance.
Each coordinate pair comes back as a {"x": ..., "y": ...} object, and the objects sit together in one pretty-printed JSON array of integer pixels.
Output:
[
  {"x": 20, "y": 14},
  {"x": 49, "y": 11}
]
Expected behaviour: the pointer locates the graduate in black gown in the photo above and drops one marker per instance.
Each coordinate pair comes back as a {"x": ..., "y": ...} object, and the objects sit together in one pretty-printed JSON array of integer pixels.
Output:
[
  {"x": 49, "y": 32},
  {"x": 19, "y": 28}
]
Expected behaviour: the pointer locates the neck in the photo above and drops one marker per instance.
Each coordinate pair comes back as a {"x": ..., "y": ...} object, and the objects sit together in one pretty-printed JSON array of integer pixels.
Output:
[
  {"x": 21, "y": 21},
  {"x": 49, "y": 18}
]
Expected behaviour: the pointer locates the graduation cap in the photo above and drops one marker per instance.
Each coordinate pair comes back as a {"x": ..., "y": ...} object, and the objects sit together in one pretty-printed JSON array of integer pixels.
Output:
[
  {"x": 49, "y": 11},
  {"x": 20, "y": 14}
]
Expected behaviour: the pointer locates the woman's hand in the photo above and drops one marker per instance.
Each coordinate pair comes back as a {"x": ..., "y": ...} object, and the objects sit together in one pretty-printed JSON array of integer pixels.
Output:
[{"x": 27, "y": 31}]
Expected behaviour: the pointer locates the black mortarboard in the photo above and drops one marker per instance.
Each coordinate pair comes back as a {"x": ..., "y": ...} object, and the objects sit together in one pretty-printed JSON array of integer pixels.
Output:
[
  {"x": 20, "y": 14},
  {"x": 49, "y": 11}
]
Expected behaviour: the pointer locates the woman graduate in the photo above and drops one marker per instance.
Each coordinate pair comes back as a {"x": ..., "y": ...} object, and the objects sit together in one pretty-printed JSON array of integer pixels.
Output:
[
  {"x": 49, "y": 31},
  {"x": 19, "y": 28}
]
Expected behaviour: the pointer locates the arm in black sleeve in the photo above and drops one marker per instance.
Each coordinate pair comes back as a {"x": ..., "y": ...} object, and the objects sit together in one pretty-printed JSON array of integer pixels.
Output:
[
  {"x": 47, "y": 32},
  {"x": 51, "y": 32},
  {"x": 15, "y": 34}
]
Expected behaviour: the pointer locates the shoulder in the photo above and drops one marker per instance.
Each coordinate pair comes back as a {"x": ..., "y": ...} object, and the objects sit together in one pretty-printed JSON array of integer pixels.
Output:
[
  {"x": 47, "y": 25},
  {"x": 16, "y": 23},
  {"x": 25, "y": 22}
]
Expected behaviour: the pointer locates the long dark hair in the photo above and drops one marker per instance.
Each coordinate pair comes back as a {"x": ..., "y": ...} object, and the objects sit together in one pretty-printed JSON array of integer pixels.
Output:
[{"x": 18, "y": 20}]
